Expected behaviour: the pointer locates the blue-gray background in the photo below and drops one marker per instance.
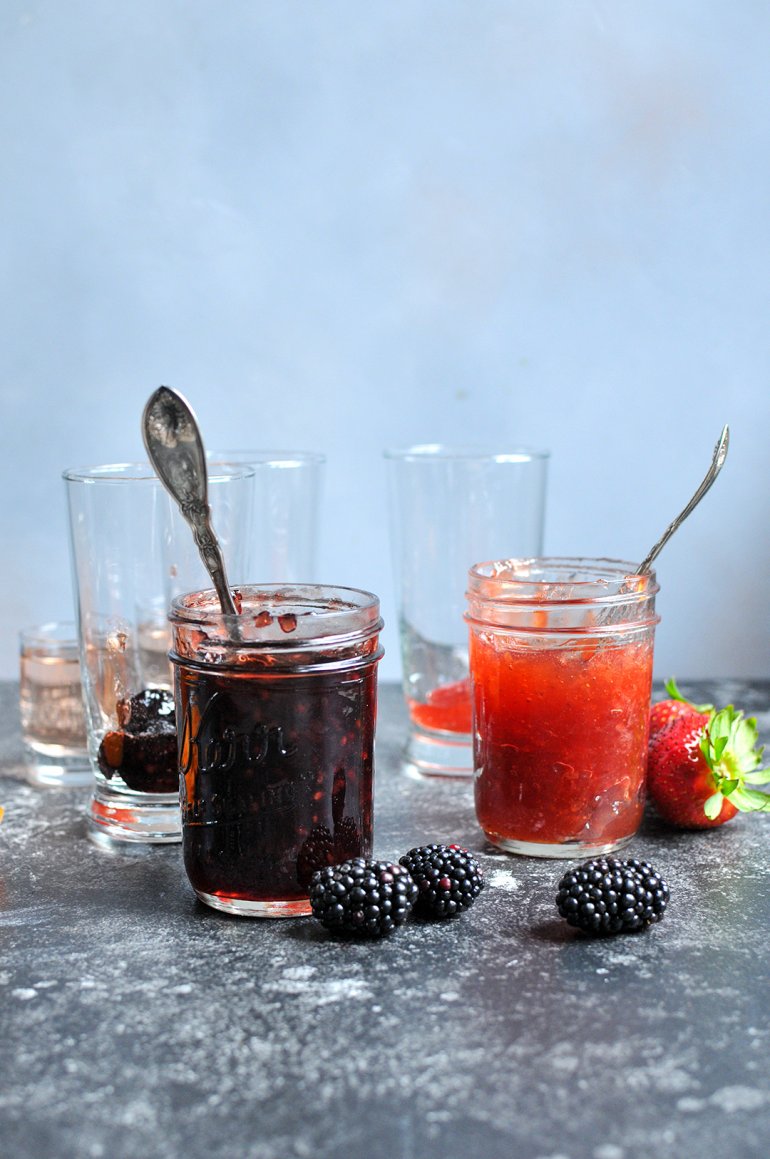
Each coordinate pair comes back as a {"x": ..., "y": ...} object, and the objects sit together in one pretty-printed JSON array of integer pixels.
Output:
[{"x": 344, "y": 225}]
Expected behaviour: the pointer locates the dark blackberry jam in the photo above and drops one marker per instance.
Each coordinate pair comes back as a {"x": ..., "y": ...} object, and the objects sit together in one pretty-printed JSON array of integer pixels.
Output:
[{"x": 276, "y": 735}]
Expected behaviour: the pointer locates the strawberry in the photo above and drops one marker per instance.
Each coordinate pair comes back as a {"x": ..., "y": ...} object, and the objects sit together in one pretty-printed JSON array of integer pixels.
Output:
[
  {"x": 699, "y": 765},
  {"x": 673, "y": 708}
]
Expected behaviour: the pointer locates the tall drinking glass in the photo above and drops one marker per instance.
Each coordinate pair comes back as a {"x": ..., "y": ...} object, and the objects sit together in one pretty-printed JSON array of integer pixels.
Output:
[
  {"x": 132, "y": 553},
  {"x": 283, "y": 540},
  {"x": 449, "y": 507}
]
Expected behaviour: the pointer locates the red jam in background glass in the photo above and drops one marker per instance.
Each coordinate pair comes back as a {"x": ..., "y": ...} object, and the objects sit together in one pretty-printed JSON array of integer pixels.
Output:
[
  {"x": 276, "y": 745},
  {"x": 448, "y": 708},
  {"x": 561, "y": 708}
]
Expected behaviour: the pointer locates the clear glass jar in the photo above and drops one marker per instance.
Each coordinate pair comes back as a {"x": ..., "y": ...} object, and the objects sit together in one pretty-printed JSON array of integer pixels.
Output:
[
  {"x": 276, "y": 740},
  {"x": 561, "y": 670}
]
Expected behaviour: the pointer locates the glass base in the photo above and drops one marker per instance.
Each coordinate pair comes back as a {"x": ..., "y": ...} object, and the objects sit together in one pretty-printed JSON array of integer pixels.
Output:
[
  {"x": 243, "y": 908},
  {"x": 117, "y": 818},
  {"x": 439, "y": 754},
  {"x": 57, "y": 771},
  {"x": 574, "y": 850}
]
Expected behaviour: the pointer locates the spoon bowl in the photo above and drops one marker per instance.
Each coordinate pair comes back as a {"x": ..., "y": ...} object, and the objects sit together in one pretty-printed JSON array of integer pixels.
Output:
[{"x": 175, "y": 448}]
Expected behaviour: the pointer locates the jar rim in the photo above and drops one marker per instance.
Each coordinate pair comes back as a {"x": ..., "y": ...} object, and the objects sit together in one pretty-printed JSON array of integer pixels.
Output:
[
  {"x": 318, "y": 611},
  {"x": 553, "y": 580}
]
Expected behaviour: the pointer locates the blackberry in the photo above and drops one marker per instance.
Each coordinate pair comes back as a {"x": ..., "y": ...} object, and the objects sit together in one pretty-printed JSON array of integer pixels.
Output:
[
  {"x": 144, "y": 751},
  {"x": 316, "y": 851},
  {"x": 146, "y": 762},
  {"x": 320, "y": 848},
  {"x": 347, "y": 840},
  {"x": 367, "y": 898},
  {"x": 609, "y": 896},
  {"x": 150, "y": 710},
  {"x": 449, "y": 879}
]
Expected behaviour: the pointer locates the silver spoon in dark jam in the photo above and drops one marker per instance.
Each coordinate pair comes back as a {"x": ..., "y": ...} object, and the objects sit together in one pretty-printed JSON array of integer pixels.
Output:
[{"x": 175, "y": 447}]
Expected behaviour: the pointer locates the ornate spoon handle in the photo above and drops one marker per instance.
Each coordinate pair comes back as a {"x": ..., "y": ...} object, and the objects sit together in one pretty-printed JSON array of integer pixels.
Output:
[
  {"x": 175, "y": 448},
  {"x": 717, "y": 462}
]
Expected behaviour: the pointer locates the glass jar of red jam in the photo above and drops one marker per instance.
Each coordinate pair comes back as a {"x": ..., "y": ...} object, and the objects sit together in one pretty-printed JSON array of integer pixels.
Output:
[
  {"x": 276, "y": 712},
  {"x": 561, "y": 673}
]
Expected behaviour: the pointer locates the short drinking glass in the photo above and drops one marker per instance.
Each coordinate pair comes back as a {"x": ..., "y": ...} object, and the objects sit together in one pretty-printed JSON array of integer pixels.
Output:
[{"x": 53, "y": 722}]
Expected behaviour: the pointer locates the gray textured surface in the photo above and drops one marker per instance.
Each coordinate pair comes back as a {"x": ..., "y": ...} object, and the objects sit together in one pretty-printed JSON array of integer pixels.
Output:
[{"x": 135, "y": 1022}]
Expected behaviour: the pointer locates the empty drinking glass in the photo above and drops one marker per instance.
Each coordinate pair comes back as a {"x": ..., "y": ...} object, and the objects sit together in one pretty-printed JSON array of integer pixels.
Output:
[{"x": 451, "y": 506}]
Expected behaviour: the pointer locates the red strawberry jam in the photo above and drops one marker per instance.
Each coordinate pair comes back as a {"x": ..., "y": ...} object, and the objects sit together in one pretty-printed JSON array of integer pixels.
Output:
[
  {"x": 561, "y": 665},
  {"x": 446, "y": 709},
  {"x": 561, "y": 743}
]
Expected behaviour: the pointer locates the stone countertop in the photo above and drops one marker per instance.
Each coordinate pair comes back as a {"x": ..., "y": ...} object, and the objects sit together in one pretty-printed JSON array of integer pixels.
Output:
[{"x": 134, "y": 1021}]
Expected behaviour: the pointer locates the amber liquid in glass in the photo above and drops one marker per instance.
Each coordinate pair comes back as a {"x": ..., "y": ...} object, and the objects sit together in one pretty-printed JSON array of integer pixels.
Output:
[{"x": 51, "y": 704}]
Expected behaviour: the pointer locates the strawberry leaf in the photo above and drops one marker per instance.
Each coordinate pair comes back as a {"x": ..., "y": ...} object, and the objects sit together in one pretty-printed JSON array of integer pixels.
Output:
[
  {"x": 760, "y": 777},
  {"x": 745, "y": 744},
  {"x": 751, "y": 801},
  {"x": 712, "y": 807}
]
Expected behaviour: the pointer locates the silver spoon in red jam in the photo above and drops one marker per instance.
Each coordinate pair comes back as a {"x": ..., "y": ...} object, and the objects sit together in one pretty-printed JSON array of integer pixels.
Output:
[{"x": 717, "y": 462}]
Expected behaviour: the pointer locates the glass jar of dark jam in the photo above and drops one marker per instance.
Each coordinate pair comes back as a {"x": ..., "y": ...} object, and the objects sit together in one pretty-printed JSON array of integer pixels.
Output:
[{"x": 276, "y": 713}]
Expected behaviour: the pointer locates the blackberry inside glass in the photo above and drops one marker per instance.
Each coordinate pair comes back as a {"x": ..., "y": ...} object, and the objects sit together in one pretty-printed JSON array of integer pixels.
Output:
[{"x": 142, "y": 752}]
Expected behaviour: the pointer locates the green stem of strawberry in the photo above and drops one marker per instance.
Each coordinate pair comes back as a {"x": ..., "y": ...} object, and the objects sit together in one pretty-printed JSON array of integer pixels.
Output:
[{"x": 675, "y": 694}]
